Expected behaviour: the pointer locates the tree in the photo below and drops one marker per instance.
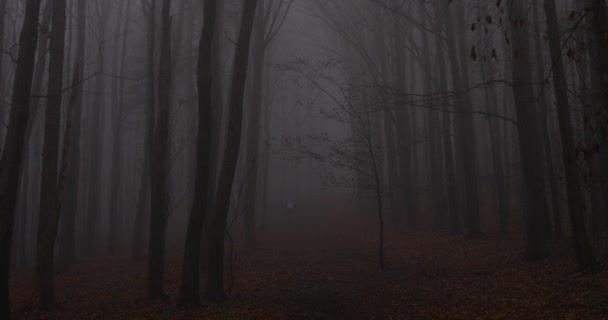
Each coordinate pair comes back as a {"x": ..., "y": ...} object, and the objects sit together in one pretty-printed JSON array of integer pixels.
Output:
[
  {"x": 599, "y": 22},
  {"x": 535, "y": 201},
  {"x": 2, "y": 26},
  {"x": 576, "y": 202},
  {"x": 67, "y": 237},
  {"x": 32, "y": 143},
  {"x": 160, "y": 164},
  {"x": 544, "y": 120},
  {"x": 97, "y": 137},
  {"x": 10, "y": 164},
  {"x": 189, "y": 292},
  {"x": 599, "y": 11},
  {"x": 44, "y": 295},
  {"x": 143, "y": 197},
  {"x": 359, "y": 155},
  {"x": 434, "y": 150},
  {"x": 118, "y": 115},
  {"x": 215, "y": 275},
  {"x": 403, "y": 125},
  {"x": 452, "y": 189},
  {"x": 465, "y": 130},
  {"x": 270, "y": 19}
]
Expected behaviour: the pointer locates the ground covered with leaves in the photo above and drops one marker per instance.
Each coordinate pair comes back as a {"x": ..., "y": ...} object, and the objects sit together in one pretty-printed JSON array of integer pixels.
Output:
[{"x": 310, "y": 270}]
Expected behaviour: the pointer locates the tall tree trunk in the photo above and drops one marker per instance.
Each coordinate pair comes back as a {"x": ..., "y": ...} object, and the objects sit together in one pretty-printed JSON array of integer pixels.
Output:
[
  {"x": 10, "y": 165},
  {"x": 497, "y": 160},
  {"x": 576, "y": 202},
  {"x": 266, "y": 153},
  {"x": 378, "y": 194},
  {"x": 94, "y": 202},
  {"x": 160, "y": 164},
  {"x": 217, "y": 99},
  {"x": 215, "y": 275},
  {"x": 451, "y": 187},
  {"x": 405, "y": 142},
  {"x": 465, "y": 138},
  {"x": 258, "y": 56},
  {"x": 118, "y": 113},
  {"x": 597, "y": 172},
  {"x": 44, "y": 286},
  {"x": 40, "y": 69},
  {"x": 189, "y": 293},
  {"x": 33, "y": 143},
  {"x": 143, "y": 199},
  {"x": 530, "y": 142},
  {"x": 67, "y": 237},
  {"x": 3, "y": 85},
  {"x": 544, "y": 119},
  {"x": 600, "y": 31},
  {"x": 436, "y": 198}
]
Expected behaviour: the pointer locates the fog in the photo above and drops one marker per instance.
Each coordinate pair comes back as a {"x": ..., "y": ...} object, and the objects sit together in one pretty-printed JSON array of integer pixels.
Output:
[{"x": 303, "y": 159}]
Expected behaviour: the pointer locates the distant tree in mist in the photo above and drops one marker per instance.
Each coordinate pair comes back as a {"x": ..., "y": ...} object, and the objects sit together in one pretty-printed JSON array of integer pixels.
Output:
[
  {"x": 67, "y": 236},
  {"x": 354, "y": 161},
  {"x": 271, "y": 15},
  {"x": 94, "y": 202}
]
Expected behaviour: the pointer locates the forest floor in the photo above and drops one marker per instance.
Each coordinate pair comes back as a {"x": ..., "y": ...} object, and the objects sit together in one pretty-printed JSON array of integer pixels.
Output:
[{"x": 329, "y": 270}]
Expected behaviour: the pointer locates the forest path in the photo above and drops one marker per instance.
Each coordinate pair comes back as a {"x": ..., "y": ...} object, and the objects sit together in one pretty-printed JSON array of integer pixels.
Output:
[{"x": 326, "y": 269}]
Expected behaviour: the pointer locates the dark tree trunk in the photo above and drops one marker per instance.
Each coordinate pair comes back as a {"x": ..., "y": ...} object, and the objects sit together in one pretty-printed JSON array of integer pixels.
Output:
[
  {"x": 451, "y": 187},
  {"x": 94, "y": 203},
  {"x": 576, "y": 202},
  {"x": 67, "y": 237},
  {"x": 393, "y": 171},
  {"x": 118, "y": 115},
  {"x": 30, "y": 179},
  {"x": 215, "y": 275},
  {"x": 258, "y": 55},
  {"x": 189, "y": 294},
  {"x": 3, "y": 86},
  {"x": 600, "y": 30},
  {"x": 497, "y": 160},
  {"x": 530, "y": 142},
  {"x": 218, "y": 100},
  {"x": 26, "y": 178},
  {"x": 376, "y": 173},
  {"x": 160, "y": 165},
  {"x": 10, "y": 165},
  {"x": 143, "y": 199},
  {"x": 436, "y": 198},
  {"x": 30, "y": 176},
  {"x": 593, "y": 106},
  {"x": 405, "y": 142},
  {"x": 44, "y": 286},
  {"x": 544, "y": 119},
  {"x": 143, "y": 196},
  {"x": 465, "y": 138}
]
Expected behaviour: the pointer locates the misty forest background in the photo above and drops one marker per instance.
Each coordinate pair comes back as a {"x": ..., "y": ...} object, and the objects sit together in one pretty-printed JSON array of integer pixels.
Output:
[{"x": 163, "y": 143}]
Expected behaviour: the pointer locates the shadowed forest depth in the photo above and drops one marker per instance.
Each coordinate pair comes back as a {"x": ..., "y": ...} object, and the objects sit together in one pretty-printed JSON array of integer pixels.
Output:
[{"x": 303, "y": 159}]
